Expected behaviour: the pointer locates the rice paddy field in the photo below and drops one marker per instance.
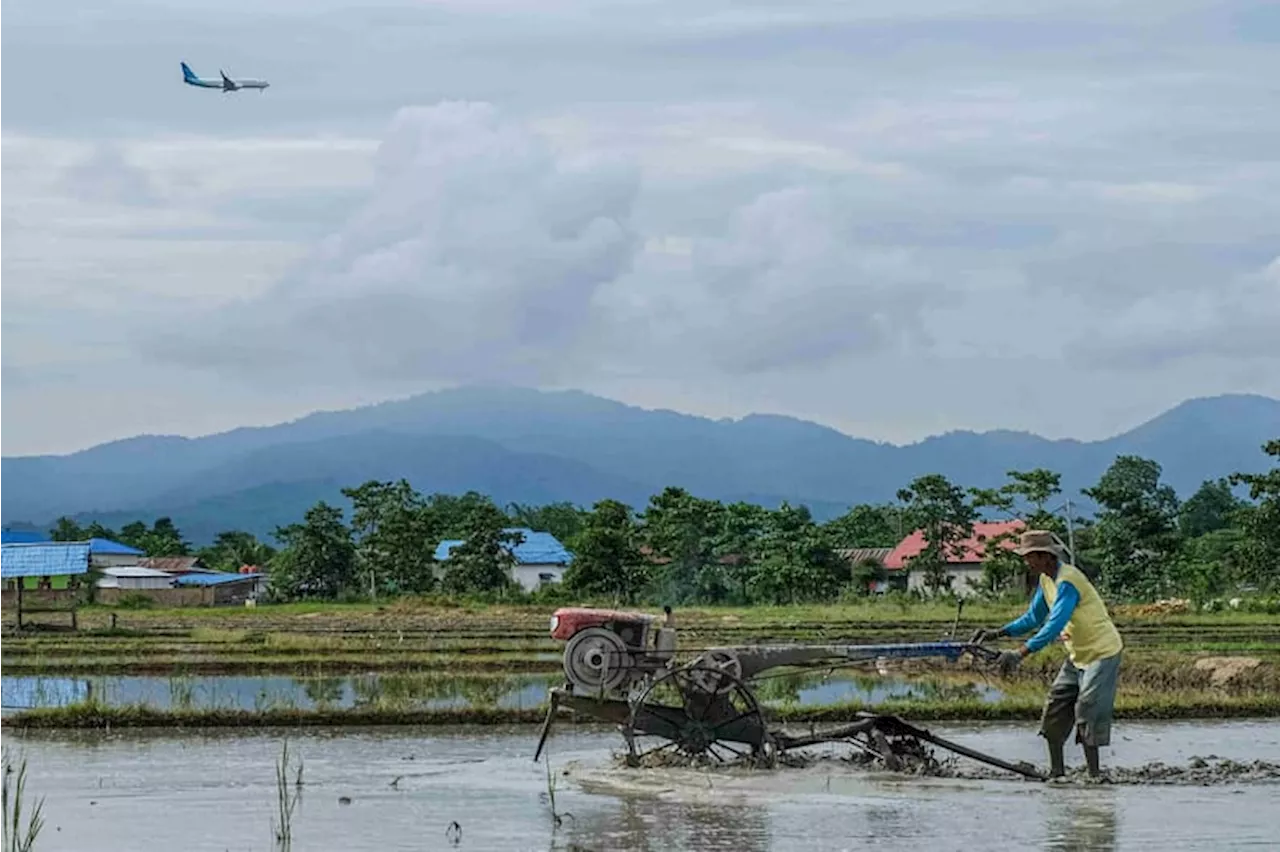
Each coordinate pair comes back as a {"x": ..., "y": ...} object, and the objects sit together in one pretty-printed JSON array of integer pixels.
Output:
[{"x": 410, "y": 662}]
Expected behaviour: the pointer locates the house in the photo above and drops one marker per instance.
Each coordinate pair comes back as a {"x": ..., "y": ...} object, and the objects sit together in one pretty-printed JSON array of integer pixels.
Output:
[
  {"x": 133, "y": 578},
  {"x": 965, "y": 568},
  {"x": 855, "y": 556},
  {"x": 224, "y": 587},
  {"x": 105, "y": 553},
  {"x": 539, "y": 559},
  {"x": 34, "y": 565}
]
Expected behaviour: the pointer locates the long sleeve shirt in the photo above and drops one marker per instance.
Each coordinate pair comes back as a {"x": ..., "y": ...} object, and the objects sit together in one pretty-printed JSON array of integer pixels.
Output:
[{"x": 1063, "y": 606}]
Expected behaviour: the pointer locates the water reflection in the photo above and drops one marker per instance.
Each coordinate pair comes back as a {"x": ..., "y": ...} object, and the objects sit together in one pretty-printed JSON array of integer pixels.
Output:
[
  {"x": 646, "y": 825},
  {"x": 424, "y": 690},
  {"x": 1076, "y": 827}
]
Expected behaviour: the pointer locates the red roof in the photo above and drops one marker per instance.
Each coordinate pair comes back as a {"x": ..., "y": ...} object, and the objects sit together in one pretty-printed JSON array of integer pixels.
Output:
[{"x": 974, "y": 547}]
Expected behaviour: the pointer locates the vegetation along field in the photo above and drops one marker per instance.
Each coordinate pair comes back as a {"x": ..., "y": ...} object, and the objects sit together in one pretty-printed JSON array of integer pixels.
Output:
[
  {"x": 361, "y": 625},
  {"x": 399, "y": 659}
]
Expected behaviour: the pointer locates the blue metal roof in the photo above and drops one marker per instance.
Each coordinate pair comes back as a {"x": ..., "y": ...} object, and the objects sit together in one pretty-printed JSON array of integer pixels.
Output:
[
  {"x": 107, "y": 547},
  {"x": 538, "y": 548},
  {"x": 22, "y": 536},
  {"x": 44, "y": 559},
  {"x": 214, "y": 579}
]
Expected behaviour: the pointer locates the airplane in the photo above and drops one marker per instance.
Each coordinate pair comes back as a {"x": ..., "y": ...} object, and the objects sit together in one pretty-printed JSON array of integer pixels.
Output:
[{"x": 226, "y": 85}]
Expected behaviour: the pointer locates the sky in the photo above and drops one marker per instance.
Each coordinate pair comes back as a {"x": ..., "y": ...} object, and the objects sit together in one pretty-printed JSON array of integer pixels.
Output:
[{"x": 894, "y": 219}]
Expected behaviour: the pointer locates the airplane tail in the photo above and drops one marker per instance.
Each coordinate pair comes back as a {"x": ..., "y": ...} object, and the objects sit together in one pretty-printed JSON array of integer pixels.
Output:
[{"x": 188, "y": 74}]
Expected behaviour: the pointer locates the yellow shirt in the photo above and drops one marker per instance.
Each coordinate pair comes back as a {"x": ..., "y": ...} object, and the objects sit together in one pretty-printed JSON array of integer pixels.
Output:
[{"x": 1089, "y": 635}]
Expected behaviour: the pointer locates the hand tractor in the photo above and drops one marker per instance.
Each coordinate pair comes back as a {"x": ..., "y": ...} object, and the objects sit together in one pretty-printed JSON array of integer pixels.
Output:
[{"x": 622, "y": 667}]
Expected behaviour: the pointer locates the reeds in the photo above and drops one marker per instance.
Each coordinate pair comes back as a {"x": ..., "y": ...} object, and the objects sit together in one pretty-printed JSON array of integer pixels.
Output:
[
  {"x": 557, "y": 818},
  {"x": 286, "y": 801},
  {"x": 16, "y": 838}
]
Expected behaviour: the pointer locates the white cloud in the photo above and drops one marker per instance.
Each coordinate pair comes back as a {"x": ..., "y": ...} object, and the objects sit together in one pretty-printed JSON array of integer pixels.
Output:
[
  {"x": 475, "y": 256},
  {"x": 795, "y": 205}
]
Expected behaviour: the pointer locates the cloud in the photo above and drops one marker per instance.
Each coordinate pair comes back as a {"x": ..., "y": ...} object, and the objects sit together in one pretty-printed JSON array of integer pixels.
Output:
[
  {"x": 107, "y": 176},
  {"x": 475, "y": 256},
  {"x": 1238, "y": 319},
  {"x": 798, "y": 205}
]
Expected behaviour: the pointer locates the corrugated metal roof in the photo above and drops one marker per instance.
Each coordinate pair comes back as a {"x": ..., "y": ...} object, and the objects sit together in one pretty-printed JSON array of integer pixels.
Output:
[
  {"x": 215, "y": 579},
  {"x": 107, "y": 547},
  {"x": 538, "y": 548},
  {"x": 861, "y": 554},
  {"x": 973, "y": 548},
  {"x": 22, "y": 536},
  {"x": 135, "y": 571},
  {"x": 172, "y": 564},
  {"x": 44, "y": 559}
]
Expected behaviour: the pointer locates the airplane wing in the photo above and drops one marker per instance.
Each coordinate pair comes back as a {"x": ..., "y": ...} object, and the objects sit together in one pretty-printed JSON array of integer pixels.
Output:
[{"x": 227, "y": 82}]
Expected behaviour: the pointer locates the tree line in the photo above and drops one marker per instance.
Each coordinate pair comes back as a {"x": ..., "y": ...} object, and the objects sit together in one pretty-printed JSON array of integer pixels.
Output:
[{"x": 1142, "y": 543}]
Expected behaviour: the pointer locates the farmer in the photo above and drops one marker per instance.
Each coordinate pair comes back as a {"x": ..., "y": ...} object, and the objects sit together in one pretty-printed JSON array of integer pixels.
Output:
[{"x": 1066, "y": 604}]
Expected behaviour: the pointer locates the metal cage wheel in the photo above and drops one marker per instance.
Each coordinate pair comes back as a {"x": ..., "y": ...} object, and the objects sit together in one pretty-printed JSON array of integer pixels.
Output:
[{"x": 677, "y": 714}]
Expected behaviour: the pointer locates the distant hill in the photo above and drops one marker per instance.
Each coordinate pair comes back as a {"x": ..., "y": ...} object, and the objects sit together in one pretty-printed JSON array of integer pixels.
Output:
[{"x": 533, "y": 447}]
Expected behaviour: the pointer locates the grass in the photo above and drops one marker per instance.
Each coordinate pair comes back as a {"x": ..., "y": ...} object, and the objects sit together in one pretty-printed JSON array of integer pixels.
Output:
[
  {"x": 321, "y": 640},
  {"x": 16, "y": 837},
  {"x": 286, "y": 801}
]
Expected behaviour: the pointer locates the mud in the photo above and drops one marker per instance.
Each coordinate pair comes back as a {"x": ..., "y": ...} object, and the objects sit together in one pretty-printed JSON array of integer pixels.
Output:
[{"x": 922, "y": 761}]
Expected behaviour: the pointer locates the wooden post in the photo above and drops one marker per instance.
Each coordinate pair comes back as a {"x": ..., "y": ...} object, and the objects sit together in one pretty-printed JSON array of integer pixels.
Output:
[{"x": 22, "y": 581}]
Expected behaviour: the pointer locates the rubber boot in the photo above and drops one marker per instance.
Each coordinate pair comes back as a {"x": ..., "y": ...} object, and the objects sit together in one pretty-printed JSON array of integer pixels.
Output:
[
  {"x": 1091, "y": 758},
  {"x": 1057, "y": 763}
]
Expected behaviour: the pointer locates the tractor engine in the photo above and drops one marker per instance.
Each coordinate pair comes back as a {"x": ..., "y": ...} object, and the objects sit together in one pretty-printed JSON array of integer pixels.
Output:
[{"x": 608, "y": 650}]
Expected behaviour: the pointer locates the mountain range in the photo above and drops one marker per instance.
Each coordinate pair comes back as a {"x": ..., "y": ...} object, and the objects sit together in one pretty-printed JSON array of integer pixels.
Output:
[{"x": 527, "y": 446}]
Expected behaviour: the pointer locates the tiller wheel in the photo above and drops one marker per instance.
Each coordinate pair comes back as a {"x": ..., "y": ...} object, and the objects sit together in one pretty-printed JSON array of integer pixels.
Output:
[{"x": 697, "y": 711}]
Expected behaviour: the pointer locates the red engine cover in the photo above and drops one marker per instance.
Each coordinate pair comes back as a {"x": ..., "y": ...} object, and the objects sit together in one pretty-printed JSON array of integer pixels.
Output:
[{"x": 567, "y": 621}]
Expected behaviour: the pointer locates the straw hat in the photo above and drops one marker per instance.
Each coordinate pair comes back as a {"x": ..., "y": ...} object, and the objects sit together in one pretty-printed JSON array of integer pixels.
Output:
[{"x": 1039, "y": 541}]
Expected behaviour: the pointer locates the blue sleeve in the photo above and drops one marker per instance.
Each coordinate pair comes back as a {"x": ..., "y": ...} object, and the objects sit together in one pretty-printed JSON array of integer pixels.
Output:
[
  {"x": 1030, "y": 619},
  {"x": 1063, "y": 606}
]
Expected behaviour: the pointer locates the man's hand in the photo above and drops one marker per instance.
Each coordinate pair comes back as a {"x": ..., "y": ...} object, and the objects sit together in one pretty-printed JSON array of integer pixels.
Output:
[
  {"x": 986, "y": 634},
  {"x": 1008, "y": 661}
]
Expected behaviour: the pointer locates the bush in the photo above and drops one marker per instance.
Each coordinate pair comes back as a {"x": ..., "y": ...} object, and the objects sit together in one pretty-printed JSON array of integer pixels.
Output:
[{"x": 136, "y": 600}]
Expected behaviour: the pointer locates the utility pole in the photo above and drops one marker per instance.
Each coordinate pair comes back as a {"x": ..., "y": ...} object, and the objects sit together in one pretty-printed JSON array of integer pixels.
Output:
[{"x": 1071, "y": 534}]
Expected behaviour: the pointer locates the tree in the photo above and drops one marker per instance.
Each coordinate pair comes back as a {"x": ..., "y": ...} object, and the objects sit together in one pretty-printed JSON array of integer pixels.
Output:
[
  {"x": 1259, "y": 551},
  {"x": 233, "y": 548},
  {"x": 318, "y": 559},
  {"x": 1212, "y": 507},
  {"x": 606, "y": 556},
  {"x": 482, "y": 563},
  {"x": 734, "y": 547},
  {"x": 97, "y": 530},
  {"x": 452, "y": 515},
  {"x": 865, "y": 526},
  {"x": 1137, "y": 534},
  {"x": 65, "y": 529},
  {"x": 794, "y": 560},
  {"x": 939, "y": 509},
  {"x": 165, "y": 539},
  {"x": 1035, "y": 488},
  {"x": 563, "y": 520},
  {"x": 162, "y": 539},
  {"x": 396, "y": 537},
  {"x": 1210, "y": 564},
  {"x": 866, "y": 574},
  {"x": 682, "y": 529}
]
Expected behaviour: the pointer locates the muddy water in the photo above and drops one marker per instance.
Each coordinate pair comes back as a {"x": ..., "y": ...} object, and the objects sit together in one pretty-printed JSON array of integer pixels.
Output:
[
  {"x": 419, "y": 691},
  {"x": 392, "y": 790}
]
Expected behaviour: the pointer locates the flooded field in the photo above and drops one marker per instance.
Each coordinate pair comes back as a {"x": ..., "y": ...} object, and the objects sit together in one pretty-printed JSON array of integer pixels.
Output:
[
  {"x": 419, "y": 691},
  {"x": 393, "y": 789}
]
